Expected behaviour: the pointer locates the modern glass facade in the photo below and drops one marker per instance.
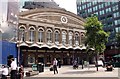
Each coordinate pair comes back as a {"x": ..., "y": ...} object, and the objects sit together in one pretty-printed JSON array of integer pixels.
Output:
[{"x": 107, "y": 12}]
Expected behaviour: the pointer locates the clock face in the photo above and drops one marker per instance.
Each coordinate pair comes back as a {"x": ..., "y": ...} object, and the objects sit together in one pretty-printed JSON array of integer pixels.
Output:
[{"x": 64, "y": 19}]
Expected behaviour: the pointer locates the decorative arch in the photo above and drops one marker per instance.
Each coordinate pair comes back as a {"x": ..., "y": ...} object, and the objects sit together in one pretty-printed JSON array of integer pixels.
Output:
[
  {"x": 82, "y": 37},
  {"x": 22, "y": 31},
  {"x": 57, "y": 36},
  {"x": 40, "y": 34},
  {"x": 32, "y": 34},
  {"x": 32, "y": 27},
  {"x": 22, "y": 26},
  {"x": 70, "y": 37},
  {"x": 49, "y": 35},
  {"x": 76, "y": 38},
  {"x": 41, "y": 28},
  {"x": 31, "y": 59}
]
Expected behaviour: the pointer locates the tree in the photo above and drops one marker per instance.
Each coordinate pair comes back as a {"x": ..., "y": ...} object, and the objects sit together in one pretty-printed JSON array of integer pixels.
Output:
[{"x": 96, "y": 37}]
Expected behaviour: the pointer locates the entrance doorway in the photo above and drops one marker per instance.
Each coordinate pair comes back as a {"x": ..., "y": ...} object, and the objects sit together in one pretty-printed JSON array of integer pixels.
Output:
[
  {"x": 67, "y": 61},
  {"x": 40, "y": 60}
]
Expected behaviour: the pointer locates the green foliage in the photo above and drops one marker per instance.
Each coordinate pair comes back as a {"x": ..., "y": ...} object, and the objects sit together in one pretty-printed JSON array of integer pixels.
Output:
[{"x": 96, "y": 36}]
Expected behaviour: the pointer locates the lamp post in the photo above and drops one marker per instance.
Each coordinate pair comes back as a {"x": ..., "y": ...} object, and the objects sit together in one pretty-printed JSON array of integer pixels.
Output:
[
  {"x": 82, "y": 50},
  {"x": 20, "y": 37}
]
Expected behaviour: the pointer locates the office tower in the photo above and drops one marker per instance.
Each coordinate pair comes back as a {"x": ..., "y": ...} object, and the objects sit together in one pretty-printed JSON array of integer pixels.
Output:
[{"x": 108, "y": 13}]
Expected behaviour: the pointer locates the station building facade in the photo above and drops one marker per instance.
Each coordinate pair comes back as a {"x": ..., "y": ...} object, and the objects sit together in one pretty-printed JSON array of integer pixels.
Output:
[{"x": 46, "y": 33}]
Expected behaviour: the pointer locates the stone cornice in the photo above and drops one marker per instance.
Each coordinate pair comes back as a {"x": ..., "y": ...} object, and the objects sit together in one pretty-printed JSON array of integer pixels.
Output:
[
  {"x": 47, "y": 23},
  {"x": 63, "y": 11}
]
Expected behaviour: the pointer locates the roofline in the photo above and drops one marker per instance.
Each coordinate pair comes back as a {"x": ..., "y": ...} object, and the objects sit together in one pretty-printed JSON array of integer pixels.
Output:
[{"x": 24, "y": 13}]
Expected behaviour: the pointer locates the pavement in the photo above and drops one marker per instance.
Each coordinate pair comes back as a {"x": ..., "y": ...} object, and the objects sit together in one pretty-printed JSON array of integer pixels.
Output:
[{"x": 68, "y": 71}]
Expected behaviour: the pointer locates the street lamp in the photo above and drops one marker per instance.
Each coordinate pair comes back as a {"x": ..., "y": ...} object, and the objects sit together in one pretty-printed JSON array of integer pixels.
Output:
[
  {"x": 82, "y": 50},
  {"x": 20, "y": 38}
]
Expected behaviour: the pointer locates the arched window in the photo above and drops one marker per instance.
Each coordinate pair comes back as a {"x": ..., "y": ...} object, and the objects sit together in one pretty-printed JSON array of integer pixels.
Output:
[
  {"x": 22, "y": 33},
  {"x": 31, "y": 34},
  {"x": 76, "y": 39},
  {"x": 40, "y": 35},
  {"x": 82, "y": 37},
  {"x": 57, "y": 37},
  {"x": 31, "y": 59},
  {"x": 64, "y": 37},
  {"x": 49, "y": 36},
  {"x": 70, "y": 38}
]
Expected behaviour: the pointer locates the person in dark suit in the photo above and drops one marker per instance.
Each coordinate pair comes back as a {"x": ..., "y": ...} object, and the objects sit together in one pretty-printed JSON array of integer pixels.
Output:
[
  {"x": 59, "y": 63},
  {"x": 21, "y": 72},
  {"x": 55, "y": 62}
]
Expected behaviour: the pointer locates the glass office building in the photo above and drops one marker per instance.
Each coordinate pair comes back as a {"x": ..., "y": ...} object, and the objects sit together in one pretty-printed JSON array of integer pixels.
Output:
[{"x": 108, "y": 13}]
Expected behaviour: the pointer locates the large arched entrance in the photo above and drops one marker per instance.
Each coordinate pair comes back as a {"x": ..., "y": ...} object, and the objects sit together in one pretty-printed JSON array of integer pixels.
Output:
[{"x": 40, "y": 58}]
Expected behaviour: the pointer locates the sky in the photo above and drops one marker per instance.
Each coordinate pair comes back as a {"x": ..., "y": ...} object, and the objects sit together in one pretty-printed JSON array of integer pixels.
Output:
[{"x": 69, "y": 5}]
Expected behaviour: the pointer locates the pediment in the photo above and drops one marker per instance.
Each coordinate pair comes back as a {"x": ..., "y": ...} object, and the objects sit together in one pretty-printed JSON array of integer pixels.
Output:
[{"x": 52, "y": 15}]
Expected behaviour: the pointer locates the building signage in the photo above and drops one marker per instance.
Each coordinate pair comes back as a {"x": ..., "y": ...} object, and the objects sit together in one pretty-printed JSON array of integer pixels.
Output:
[
  {"x": 41, "y": 50},
  {"x": 31, "y": 50}
]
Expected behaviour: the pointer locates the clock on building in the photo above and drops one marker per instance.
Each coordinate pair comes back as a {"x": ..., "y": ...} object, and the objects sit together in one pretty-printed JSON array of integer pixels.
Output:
[{"x": 64, "y": 19}]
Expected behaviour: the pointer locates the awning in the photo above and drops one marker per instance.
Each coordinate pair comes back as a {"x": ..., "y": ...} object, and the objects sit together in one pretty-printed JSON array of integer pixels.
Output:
[
  {"x": 23, "y": 44},
  {"x": 77, "y": 47},
  {"x": 34, "y": 45},
  {"x": 62, "y": 47},
  {"x": 44, "y": 45},
  {"x": 54, "y": 46},
  {"x": 70, "y": 47}
]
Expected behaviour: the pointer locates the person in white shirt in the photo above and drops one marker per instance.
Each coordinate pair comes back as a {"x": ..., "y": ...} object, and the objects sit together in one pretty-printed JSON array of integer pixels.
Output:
[
  {"x": 4, "y": 72},
  {"x": 55, "y": 62},
  {"x": 13, "y": 69}
]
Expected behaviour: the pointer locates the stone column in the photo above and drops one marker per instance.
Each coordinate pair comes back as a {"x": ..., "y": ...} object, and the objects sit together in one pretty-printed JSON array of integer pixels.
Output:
[
  {"x": 27, "y": 34},
  {"x": 67, "y": 37},
  {"x": 18, "y": 33},
  {"x": 73, "y": 42},
  {"x": 36, "y": 34},
  {"x": 53, "y": 39},
  {"x": 60, "y": 36},
  {"x": 80, "y": 37},
  {"x": 45, "y": 36}
]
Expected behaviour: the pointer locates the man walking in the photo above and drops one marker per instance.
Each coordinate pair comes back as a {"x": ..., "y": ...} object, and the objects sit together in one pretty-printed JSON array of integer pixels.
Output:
[
  {"x": 13, "y": 69},
  {"x": 55, "y": 65}
]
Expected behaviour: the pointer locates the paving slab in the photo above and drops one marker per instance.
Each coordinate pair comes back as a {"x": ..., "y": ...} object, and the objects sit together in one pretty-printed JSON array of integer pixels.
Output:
[{"x": 68, "y": 71}]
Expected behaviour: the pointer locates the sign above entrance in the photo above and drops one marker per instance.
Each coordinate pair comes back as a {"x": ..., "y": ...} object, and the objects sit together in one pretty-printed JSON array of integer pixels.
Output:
[{"x": 64, "y": 19}]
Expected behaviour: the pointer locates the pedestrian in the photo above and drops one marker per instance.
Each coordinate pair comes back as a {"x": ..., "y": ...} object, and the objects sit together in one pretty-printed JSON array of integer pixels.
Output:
[
  {"x": 75, "y": 64},
  {"x": 59, "y": 63},
  {"x": 21, "y": 72},
  {"x": 55, "y": 62},
  {"x": 13, "y": 69},
  {"x": 4, "y": 72}
]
